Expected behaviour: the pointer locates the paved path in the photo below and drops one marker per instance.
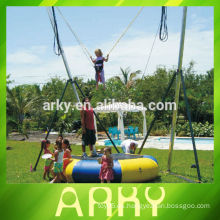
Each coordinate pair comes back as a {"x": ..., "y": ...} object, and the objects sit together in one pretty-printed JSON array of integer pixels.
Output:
[{"x": 164, "y": 145}]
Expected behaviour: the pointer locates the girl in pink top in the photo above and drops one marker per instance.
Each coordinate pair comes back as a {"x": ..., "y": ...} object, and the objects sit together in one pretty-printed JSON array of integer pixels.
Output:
[
  {"x": 106, "y": 172},
  {"x": 45, "y": 144}
]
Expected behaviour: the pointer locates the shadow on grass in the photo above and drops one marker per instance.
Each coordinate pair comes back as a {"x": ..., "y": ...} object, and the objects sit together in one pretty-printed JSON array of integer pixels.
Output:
[{"x": 156, "y": 180}]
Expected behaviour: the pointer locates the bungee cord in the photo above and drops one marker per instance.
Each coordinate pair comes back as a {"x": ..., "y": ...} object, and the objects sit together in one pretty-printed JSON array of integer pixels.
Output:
[
  {"x": 83, "y": 47},
  {"x": 163, "y": 35},
  {"x": 85, "y": 50},
  {"x": 162, "y": 30}
]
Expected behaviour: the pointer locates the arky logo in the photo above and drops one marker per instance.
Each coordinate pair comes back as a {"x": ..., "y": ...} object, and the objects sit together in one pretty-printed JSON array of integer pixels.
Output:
[{"x": 108, "y": 201}]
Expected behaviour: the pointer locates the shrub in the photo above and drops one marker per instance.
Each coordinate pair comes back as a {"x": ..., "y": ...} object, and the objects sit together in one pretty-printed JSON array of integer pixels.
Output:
[
  {"x": 33, "y": 125},
  {"x": 199, "y": 129},
  {"x": 159, "y": 132},
  {"x": 79, "y": 132}
]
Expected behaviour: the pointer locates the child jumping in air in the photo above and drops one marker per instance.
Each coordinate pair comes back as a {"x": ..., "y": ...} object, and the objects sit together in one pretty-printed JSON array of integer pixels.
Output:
[
  {"x": 106, "y": 172},
  {"x": 99, "y": 67},
  {"x": 45, "y": 144}
]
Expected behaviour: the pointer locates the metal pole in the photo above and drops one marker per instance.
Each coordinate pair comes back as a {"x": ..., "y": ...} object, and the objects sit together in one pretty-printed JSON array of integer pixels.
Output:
[
  {"x": 177, "y": 91},
  {"x": 51, "y": 124},
  {"x": 156, "y": 113},
  {"x": 52, "y": 19},
  {"x": 190, "y": 126}
]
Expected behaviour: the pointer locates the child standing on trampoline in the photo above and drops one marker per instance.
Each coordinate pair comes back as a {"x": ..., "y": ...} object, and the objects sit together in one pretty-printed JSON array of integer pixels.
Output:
[
  {"x": 67, "y": 153},
  {"x": 106, "y": 172},
  {"x": 99, "y": 67}
]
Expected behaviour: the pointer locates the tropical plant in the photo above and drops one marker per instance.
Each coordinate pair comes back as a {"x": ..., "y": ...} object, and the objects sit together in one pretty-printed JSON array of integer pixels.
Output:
[
  {"x": 25, "y": 102},
  {"x": 128, "y": 77},
  {"x": 22, "y": 102}
]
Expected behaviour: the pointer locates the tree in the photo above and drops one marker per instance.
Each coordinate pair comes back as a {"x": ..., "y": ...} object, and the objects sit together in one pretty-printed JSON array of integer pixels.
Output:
[
  {"x": 21, "y": 103},
  {"x": 128, "y": 78},
  {"x": 25, "y": 102}
]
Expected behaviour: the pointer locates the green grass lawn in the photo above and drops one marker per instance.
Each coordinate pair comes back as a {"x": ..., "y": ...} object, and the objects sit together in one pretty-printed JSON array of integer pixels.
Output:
[{"x": 23, "y": 154}]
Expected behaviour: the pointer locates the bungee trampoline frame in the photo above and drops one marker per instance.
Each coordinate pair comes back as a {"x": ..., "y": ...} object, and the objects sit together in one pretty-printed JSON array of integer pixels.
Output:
[
  {"x": 69, "y": 81},
  {"x": 180, "y": 80}
]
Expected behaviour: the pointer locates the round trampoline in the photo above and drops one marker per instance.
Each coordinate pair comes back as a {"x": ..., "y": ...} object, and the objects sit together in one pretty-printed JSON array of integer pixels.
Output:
[{"x": 128, "y": 168}]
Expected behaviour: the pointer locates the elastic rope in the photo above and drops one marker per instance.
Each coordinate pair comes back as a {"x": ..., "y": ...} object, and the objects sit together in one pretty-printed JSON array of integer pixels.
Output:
[
  {"x": 148, "y": 60},
  {"x": 163, "y": 35},
  {"x": 84, "y": 49},
  {"x": 125, "y": 31}
]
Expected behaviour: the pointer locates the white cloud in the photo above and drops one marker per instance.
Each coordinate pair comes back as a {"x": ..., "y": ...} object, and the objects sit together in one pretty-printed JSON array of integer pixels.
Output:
[
  {"x": 38, "y": 49},
  {"x": 201, "y": 23},
  {"x": 22, "y": 57},
  {"x": 27, "y": 56},
  {"x": 131, "y": 51}
]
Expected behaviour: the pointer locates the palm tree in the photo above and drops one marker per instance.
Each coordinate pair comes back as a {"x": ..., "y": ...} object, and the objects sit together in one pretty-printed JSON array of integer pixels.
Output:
[
  {"x": 128, "y": 78},
  {"x": 19, "y": 104}
]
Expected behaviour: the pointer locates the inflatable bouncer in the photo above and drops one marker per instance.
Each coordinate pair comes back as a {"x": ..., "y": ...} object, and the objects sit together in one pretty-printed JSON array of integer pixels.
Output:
[{"x": 128, "y": 168}]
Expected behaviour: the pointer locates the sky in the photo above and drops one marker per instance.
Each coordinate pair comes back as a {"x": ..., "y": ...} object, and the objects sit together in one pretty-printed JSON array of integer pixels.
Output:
[{"x": 31, "y": 59}]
